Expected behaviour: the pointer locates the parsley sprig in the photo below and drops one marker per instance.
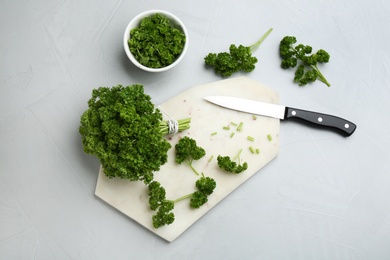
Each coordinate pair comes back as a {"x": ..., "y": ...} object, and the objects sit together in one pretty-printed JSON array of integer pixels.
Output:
[
  {"x": 163, "y": 207},
  {"x": 237, "y": 59},
  {"x": 301, "y": 55}
]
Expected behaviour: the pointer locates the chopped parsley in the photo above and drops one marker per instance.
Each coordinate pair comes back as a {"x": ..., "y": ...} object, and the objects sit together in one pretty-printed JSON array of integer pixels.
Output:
[{"x": 156, "y": 43}]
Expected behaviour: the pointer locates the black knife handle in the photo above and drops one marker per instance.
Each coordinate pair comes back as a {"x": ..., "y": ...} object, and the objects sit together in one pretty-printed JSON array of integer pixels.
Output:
[{"x": 323, "y": 120}]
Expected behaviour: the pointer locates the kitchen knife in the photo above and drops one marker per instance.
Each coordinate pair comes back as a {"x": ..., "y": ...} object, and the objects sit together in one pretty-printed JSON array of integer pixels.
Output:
[{"x": 283, "y": 112}]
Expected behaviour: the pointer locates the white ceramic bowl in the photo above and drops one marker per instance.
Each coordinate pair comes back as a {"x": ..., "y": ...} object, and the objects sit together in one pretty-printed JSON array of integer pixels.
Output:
[{"x": 135, "y": 23}]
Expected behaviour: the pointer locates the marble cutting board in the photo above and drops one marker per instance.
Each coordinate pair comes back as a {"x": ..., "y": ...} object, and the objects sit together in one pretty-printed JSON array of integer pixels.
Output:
[{"x": 131, "y": 198}]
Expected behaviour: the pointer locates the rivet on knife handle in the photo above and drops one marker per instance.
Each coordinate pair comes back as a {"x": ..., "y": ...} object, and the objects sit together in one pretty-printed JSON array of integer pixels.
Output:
[{"x": 320, "y": 119}]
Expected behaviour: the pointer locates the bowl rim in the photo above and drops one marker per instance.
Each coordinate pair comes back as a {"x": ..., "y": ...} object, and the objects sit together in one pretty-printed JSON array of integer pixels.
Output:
[{"x": 135, "y": 21}]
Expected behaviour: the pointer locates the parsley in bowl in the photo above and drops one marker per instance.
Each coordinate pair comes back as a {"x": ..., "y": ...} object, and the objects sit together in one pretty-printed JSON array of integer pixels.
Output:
[{"x": 155, "y": 40}]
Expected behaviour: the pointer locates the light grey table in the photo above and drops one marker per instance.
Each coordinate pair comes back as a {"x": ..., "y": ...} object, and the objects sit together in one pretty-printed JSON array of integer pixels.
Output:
[{"x": 324, "y": 197}]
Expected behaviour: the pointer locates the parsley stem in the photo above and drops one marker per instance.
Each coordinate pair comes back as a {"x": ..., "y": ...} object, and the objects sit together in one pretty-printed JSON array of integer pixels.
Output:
[
  {"x": 183, "y": 198},
  {"x": 239, "y": 128},
  {"x": 320, "y": 75},
  {"x": 256, "y": 45},
  {"x": 237, "y": 156},
  {"x": 192, "y": 168},
  {"x": 250, "y": 138}
]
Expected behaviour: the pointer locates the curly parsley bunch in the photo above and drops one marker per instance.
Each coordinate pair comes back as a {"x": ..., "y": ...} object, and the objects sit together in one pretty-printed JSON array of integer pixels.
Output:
[
  {"x": 124, "y": 131},
  {"x": 156, "y": 43}
]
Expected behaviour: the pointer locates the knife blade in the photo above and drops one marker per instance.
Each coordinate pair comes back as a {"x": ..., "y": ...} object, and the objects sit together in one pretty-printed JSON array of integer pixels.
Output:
[{"x": 284, "y": 112}]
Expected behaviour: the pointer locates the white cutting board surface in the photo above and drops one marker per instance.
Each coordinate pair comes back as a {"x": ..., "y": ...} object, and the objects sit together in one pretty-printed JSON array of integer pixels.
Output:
[{"x": 131, "y": 198}]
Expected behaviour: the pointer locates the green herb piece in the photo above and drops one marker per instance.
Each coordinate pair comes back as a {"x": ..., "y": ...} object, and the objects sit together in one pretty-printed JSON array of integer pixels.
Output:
[
  {"x": 239, "y": 128},
  {"x": 269, "y": 136},
  {"x": 205, "y": 187},
  {"x": 257, "y": 150},
  {"x": 226, "y": 128},
  {"x": 237, "y": 59},
  {"x": 156, "y": 43},
  {"x": 163, "y": 207},
  {"x": 250, "y": 138},
  {"x": 301, "y": 55},
  {"x": 187, "y": 151},
  {"x": 230, "y": 165},
  {"x": 211, "y": 158},
  {"x": 158, "y": 201},
  {"x": 233, "y": 124},
  {"x": 231, "y": 134},
  {"x": 121, "y": 127},
  {"x": 213, "y": 133}
]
